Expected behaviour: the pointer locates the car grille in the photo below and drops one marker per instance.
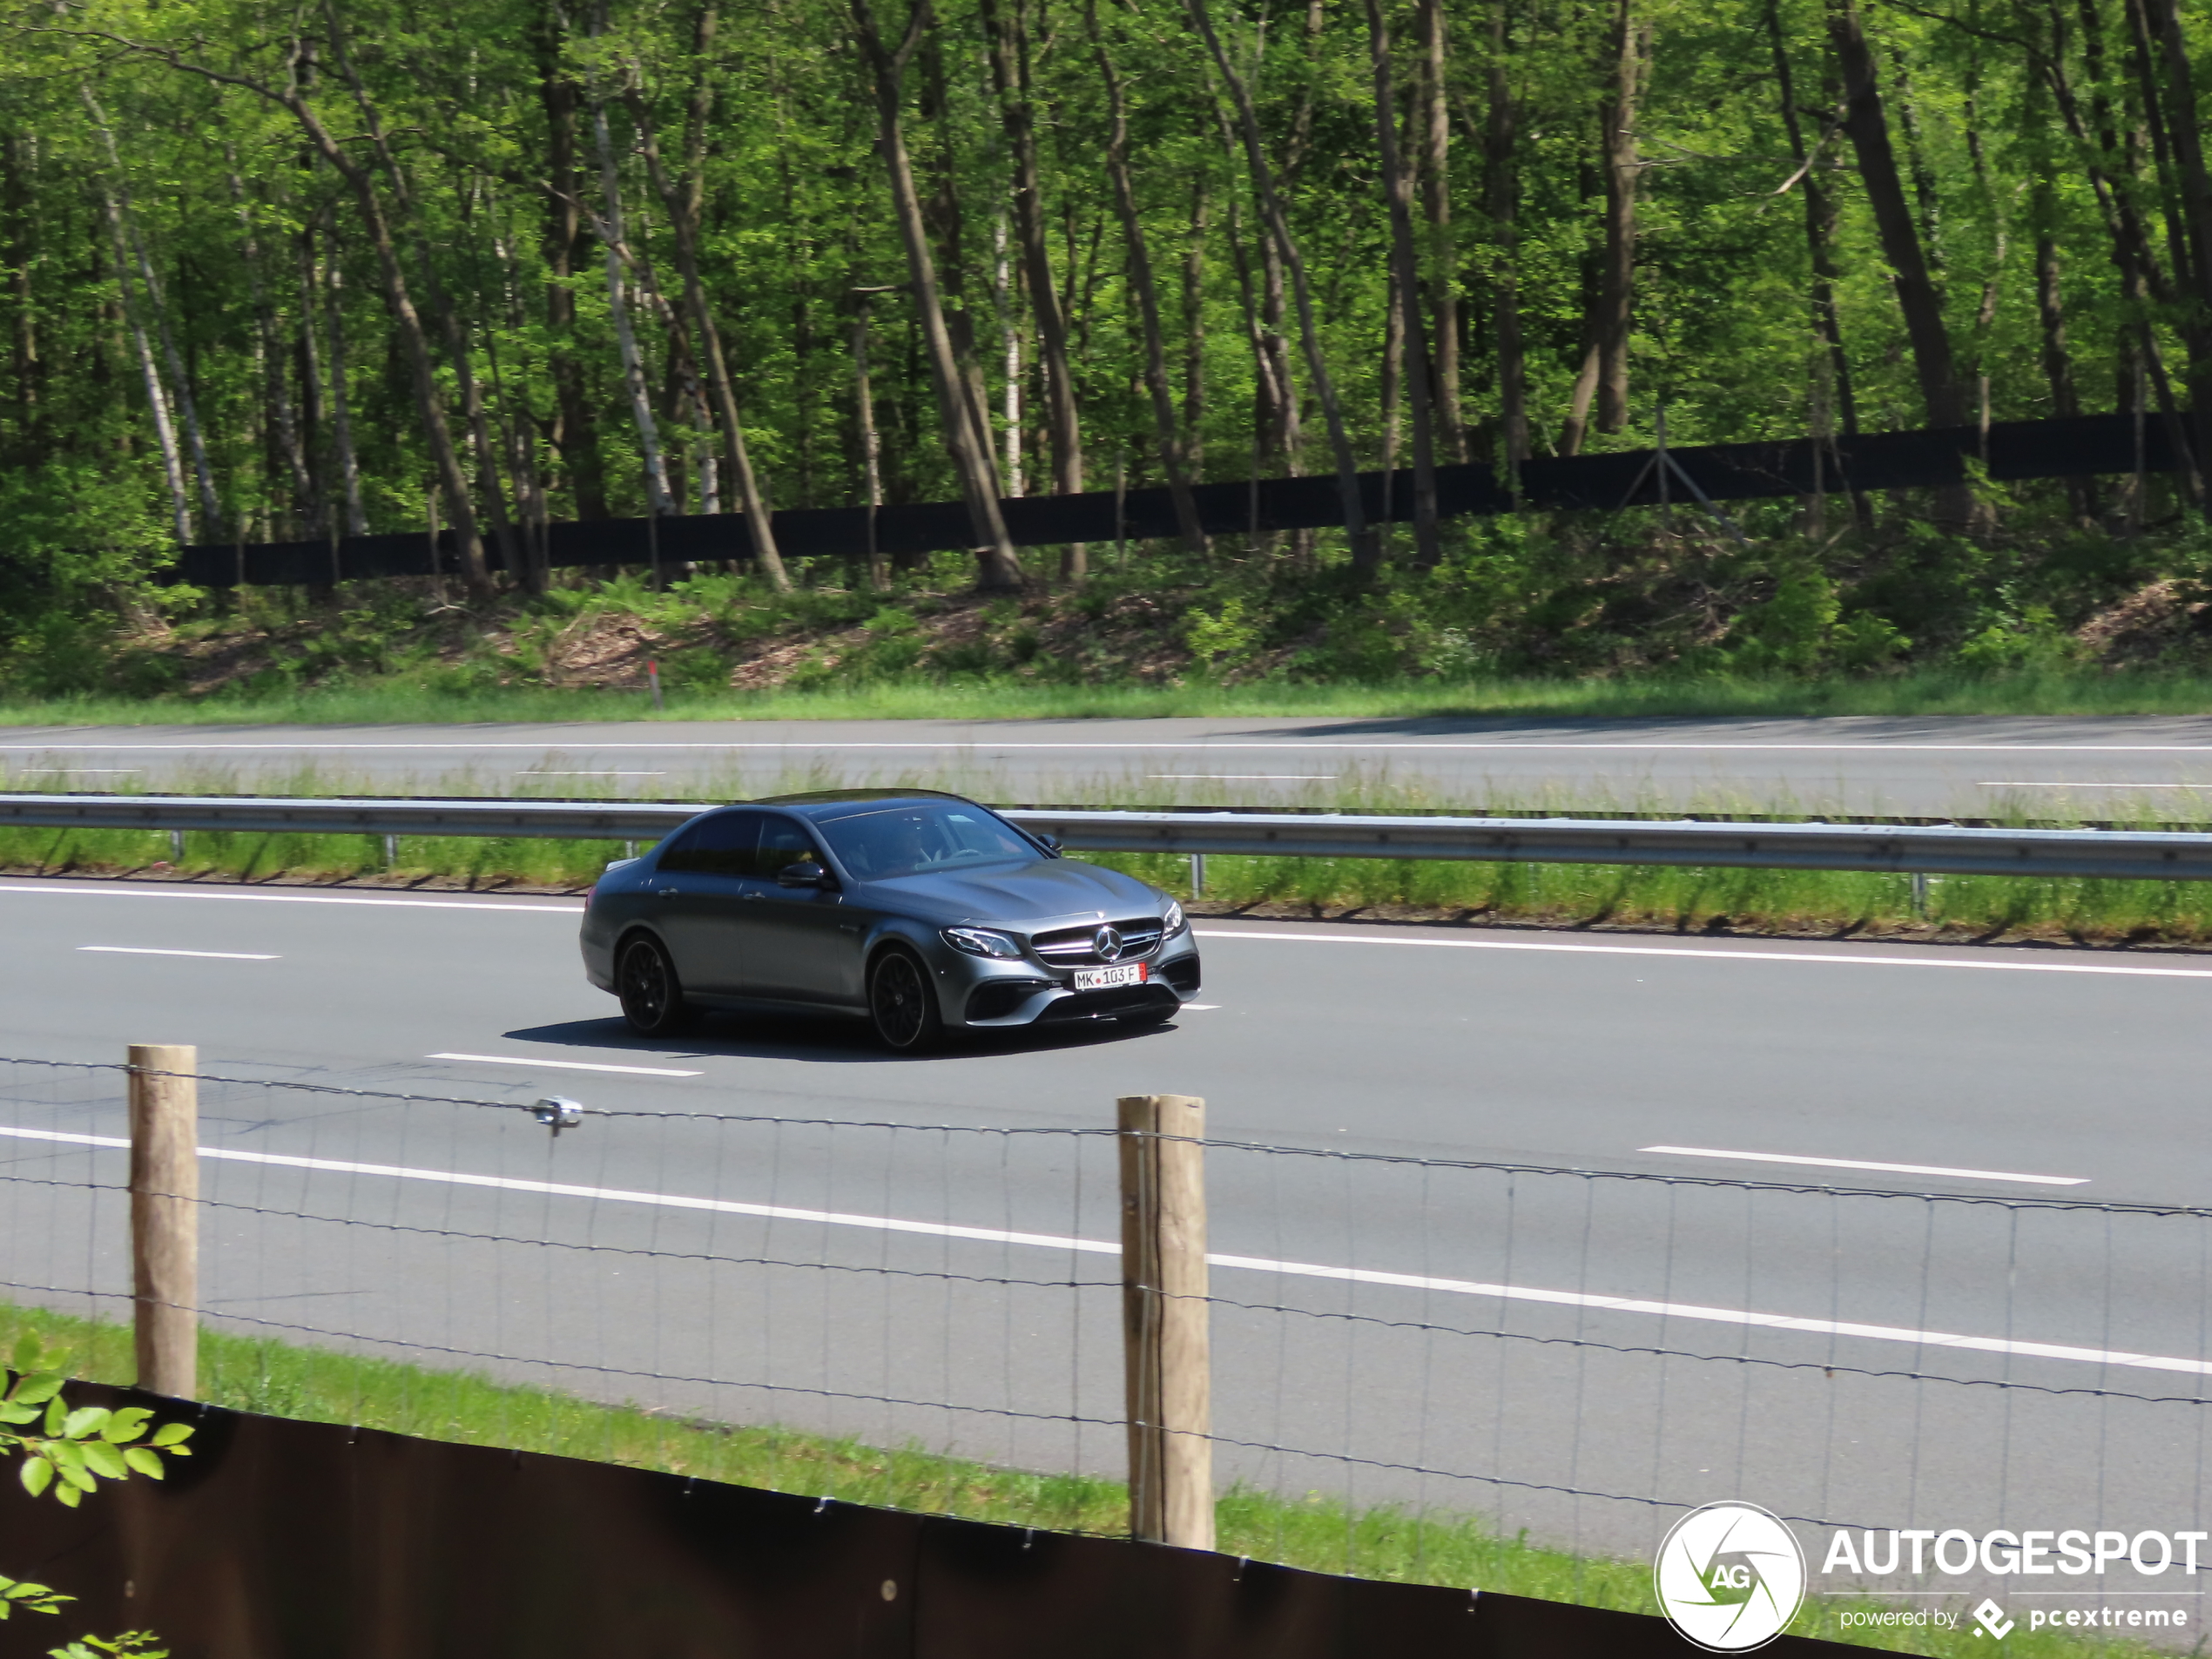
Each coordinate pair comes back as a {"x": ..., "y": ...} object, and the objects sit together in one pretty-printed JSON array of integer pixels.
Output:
[{"x": 1078, "y": 947}]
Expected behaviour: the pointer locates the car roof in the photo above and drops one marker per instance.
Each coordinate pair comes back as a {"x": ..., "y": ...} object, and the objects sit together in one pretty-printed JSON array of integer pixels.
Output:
[{"x": 856, "y": 797}]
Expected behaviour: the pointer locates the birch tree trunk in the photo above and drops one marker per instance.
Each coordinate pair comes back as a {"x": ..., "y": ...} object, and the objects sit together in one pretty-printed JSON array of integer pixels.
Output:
[
  {"x": 1502, "y": 199},
  {"x": 1868, "y": 130},
  {"x": 1406, "y": 286},
  {"x": 120, "y": 216},
  {"x": 1007, "y": 22},
  {"x": 1193, "y": 331},
  {"x": 1148, "y": 299},
  {"x": 343, "y": 456},
  {"x": 1917, "y": 294},
  {"x": 657, "y": 501},
  {"x": 2184, "y": 135},
  {"x": 682, "y": 202},
  {"x": 275, "y": 390},
  {"x": 1366, "y": 551},
  {"x": 1441, "y": 262},
  {"x": 1820, "y": 227},
  {"x": 1619, "y": 112},
  {"x": 575, "y": 434},
  {"x": 966, "y": 441},
  {"x": 165, "y": 431}
]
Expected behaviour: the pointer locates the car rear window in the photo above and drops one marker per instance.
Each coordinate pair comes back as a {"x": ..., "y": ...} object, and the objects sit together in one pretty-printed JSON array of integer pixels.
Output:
[{"x": 920, "y": 838}]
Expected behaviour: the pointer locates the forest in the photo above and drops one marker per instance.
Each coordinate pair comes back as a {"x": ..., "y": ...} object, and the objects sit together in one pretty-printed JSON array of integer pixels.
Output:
[{"x": 351, "y": 266}]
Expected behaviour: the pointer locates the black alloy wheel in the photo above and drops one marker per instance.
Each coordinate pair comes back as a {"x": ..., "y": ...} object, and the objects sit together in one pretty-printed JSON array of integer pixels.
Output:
[
  {"x": 651, "y": 999},
  {"x": 902, "y": 1004}
]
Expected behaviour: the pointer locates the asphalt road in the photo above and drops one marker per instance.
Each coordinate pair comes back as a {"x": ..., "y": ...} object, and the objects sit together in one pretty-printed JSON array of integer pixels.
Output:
[
  {"x": 1501, "y": 1325},
  {"x": 1925, "y": 767}
]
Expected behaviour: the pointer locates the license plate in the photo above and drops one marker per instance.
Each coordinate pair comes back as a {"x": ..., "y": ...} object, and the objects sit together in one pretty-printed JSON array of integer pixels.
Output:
[{"x": 1100, "y": 979}]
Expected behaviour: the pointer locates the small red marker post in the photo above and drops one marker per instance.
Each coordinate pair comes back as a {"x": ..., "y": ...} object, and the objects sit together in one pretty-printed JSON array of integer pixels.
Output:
[{"x": 652, "y": 677}]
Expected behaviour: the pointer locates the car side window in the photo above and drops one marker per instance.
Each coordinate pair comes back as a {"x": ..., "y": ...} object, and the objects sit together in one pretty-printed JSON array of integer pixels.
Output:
[
  {"x": 722, "y": 844},
  {"x": 783, "y": 843}
]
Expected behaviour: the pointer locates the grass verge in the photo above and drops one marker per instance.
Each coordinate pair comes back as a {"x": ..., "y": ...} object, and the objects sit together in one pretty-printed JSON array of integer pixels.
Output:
[
  {"x": 1318, "y": 1533},
  {"x": 1639, "y": 898},
  {"x": 1930, "y": 691}
]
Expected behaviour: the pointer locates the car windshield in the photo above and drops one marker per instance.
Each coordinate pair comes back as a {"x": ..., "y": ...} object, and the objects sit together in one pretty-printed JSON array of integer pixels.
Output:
[{"x": 920, "y": 838}]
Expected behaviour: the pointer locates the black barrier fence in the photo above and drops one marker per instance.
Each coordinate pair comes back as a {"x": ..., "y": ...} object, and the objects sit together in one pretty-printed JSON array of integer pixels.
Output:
[
  {"x": 1465, "y": 1348},
  {"x": 287, "y": 1540},
  {"x": 2014, "y": 450}
]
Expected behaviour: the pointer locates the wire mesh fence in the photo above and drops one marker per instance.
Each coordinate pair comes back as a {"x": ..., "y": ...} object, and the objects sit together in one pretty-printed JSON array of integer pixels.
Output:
[{"x": 1577, "y": 1353}]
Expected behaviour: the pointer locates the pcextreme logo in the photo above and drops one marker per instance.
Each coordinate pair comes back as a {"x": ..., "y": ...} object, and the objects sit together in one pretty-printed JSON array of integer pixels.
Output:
[{"x": 1729, "y": 1577}]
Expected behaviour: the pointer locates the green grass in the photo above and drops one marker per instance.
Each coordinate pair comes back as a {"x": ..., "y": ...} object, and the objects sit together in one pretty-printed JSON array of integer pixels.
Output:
[
  {"x": 1918, "y": 692},
  {"x": 1645, "y": 897},
  {"x": 1316, "y": 1532}
]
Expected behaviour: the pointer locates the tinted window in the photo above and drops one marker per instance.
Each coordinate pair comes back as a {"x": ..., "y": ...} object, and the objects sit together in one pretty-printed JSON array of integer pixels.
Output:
[
  {"x": 722, "y": 844},
  {"x": 917, "y": 840},
  {"x": 782, "y": 842}
]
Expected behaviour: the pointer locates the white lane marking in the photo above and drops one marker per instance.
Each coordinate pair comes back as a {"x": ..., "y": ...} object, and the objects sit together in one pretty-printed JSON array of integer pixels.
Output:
[
  {"x": 148, "y": 950},
  {"x": 1838, "y": 960},
  {"x": 1199, "y": 1007},
  {"x": 2043, "y": 783},
  {"x": 1870, "y": 746},
  {"x": 1740, "y": 1316},
  {"x": 1248, "y": 776},
  {"x": 117, "y": 888},
  {"x": 564, "y": 1065},
  {"x": 1860, "y": 1163}
]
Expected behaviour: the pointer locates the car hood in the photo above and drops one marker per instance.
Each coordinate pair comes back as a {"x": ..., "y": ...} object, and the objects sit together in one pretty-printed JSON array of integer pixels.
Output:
[{"x": 1028, "y": 895}]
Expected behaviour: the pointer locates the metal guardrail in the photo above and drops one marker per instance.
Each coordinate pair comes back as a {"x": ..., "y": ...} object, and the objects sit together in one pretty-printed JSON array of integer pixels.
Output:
[
  {"x": 2158, "y": 855},
  {"x": 564, "y": 820},
  {"x": 1939, "y": 850}
]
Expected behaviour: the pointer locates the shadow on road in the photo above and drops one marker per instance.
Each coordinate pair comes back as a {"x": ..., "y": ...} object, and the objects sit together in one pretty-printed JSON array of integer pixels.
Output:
[{"x": 822, "y": 1040}]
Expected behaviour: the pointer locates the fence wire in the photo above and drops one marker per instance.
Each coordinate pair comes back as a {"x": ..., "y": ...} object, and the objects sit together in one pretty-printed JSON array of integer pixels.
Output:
[{"x": 1398, "y": 1344}]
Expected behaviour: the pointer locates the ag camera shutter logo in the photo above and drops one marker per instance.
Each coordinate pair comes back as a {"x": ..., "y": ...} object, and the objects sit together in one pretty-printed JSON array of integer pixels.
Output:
[{"x": 1729, "y": 1577}]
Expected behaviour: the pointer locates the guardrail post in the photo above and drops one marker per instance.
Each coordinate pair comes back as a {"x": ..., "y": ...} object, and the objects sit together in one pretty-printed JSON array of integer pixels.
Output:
[
  {"x": 1164, "y": 1322},
  {"x": 164, "y": 1221}
]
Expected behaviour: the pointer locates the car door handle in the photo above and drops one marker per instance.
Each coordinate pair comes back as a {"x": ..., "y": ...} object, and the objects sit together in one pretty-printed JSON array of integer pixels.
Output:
[{"x": 666, "y": 893}]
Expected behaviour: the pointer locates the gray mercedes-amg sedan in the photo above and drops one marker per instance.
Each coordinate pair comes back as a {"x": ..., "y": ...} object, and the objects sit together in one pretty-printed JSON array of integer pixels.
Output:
[{"x": 917, "y": 911}]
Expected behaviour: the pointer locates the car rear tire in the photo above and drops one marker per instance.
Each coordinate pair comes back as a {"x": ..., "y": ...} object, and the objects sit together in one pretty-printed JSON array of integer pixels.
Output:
[
  {"x": 902, "y": 1004},
  {"x": 652, "y": 999}
]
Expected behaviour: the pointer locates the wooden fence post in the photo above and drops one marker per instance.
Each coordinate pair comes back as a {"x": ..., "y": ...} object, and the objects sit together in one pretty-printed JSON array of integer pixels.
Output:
[
  {"x": 164, "y": 1219},
  {"x": 1165, "y": 1320}
]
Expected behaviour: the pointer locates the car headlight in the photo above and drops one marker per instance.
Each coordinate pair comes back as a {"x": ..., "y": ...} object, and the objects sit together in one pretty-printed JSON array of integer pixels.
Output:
[
  {"x": 981, "y": 941},
  {"x": 1172, "y": 923}
]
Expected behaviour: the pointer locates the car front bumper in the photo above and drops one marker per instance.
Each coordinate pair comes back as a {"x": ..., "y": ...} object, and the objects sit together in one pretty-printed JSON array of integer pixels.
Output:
[{"x": 982, "y": 994}]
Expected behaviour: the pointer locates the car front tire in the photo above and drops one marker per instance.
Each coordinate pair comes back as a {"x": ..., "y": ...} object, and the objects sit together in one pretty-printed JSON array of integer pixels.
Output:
[
  {"x": 652, "y": 999},
  {"x": 903, "y": 1005}
]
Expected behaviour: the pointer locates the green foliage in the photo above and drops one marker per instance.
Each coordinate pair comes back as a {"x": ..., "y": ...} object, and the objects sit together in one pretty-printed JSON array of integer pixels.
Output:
[
  {"x": 1226, "y": 638},
  {"x": 142, "y": 1643},
  {"x": 2030, "y": 639},
  {"x": 69, "y": 1453},
  {"x": 1791, "y": 630},
  {"x": 259, "y": 300},
  {"x": 20, "y": 1595}
]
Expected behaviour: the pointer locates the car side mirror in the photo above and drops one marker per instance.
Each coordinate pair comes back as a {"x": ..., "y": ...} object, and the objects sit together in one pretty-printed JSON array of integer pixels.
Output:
[
  {"x": 805, "y": 873},
  {"x": 1051, "y": 844}
]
